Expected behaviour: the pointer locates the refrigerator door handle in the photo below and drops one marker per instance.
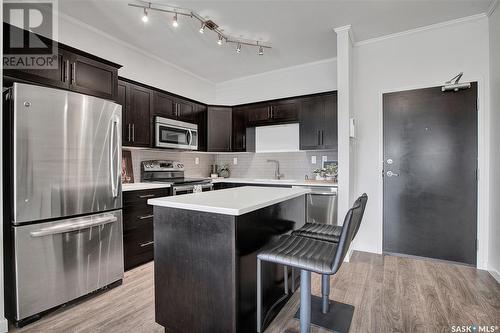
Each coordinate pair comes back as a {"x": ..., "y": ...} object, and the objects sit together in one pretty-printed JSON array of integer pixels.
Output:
[
  {"x": 114, "y": 144},
  {"x": 73, "y": 226}
]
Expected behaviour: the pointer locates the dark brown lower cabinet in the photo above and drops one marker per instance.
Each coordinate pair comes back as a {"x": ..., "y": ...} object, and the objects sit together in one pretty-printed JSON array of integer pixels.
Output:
[{"x": 138, "y": 236}]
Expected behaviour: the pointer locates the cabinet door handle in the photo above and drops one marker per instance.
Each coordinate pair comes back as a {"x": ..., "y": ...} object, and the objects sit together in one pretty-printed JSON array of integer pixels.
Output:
[
  {"x": 129, "y": 129},
  {"x": 272, "y": 112},
  {"x": 147, "y": 243},
  {"x": 73, "y": 73},
  {"x": 146, "y": 196},
  {"x": 244, "y": 141},
  {"x": 133, "y": 132},
  {"x": 144, "y": 217},
  {"x": 322, "y": 137},
  {"x": 319, "y": 138},
  {"x": 66, "y": 70}
]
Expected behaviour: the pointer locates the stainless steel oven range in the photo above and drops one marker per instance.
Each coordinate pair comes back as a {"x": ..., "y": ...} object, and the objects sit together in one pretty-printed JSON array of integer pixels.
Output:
[{"x": 173, "y": 172}]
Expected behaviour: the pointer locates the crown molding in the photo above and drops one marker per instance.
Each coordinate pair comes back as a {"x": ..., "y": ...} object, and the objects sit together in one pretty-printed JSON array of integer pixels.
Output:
[
  {"x": 493, "y": 6},
  {"x": 421, "y": 29},
  {"x": 86, "y": 26},
  {"x": 347, "y": 28},
  {"x": 284, "y": 69}
]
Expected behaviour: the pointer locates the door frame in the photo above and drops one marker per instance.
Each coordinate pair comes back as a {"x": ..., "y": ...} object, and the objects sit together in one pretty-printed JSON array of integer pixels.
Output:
[{"x": 483, "y": 141}]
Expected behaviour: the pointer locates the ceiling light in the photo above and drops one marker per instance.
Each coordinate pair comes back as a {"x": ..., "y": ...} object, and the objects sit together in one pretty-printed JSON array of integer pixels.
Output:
[
  {"x": 175, "y": 24},
  {"x": 202, "y": 28},
  {"x": 261, "y": 50},
  {"x": 220, "y": 40},
  {"x": 145, "y": 17},
  {"x": 238, "y": 48}
]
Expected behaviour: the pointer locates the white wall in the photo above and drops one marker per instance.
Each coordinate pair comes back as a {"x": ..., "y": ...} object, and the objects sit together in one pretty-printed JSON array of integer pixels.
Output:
[
  {"x": 137, "y": 64},
  {"x": 423, "y": 58},
  {"x": 291, "y": 81},
  {"x": 494, "y": 243}
]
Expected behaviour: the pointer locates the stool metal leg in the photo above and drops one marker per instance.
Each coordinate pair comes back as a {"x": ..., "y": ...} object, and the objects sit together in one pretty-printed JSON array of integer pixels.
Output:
[
  {"x": 285, "y": 278},
  {"x": 293, "y": 280},
  {"x": 259, "y": 297},
  {"x": 305, "y": 301},
  {"x": 325, "y": 291}
]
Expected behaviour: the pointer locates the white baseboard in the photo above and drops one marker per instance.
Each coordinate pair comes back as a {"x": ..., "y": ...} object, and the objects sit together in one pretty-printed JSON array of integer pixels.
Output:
[
  {"x": 4, "y": 325},
  {"x": 495, "y": 275}
]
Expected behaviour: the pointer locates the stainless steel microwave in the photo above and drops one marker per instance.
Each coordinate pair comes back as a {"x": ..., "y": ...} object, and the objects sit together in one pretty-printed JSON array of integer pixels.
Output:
[{"x": 176, "y": 134}]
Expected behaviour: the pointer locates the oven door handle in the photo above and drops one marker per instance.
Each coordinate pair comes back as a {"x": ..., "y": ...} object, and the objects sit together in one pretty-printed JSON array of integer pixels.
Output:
[{"x": 73, "y": 226}]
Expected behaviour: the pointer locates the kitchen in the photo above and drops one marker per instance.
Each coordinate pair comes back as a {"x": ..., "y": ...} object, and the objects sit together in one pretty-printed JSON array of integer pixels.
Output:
[{"x": 291, "y": 144}]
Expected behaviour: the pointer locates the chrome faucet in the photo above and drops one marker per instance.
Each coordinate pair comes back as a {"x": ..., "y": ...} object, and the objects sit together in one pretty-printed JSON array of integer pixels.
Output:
[{"x": 277, "y": 174}]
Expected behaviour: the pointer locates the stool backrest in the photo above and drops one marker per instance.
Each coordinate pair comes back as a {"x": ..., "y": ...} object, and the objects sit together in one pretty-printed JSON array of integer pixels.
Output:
[{"x": 350, "y": 228}]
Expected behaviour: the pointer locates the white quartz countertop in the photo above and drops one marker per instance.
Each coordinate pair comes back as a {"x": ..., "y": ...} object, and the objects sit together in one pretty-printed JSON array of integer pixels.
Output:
[
  {"x": 232, "y": 201},
  {"x": 143, "y": 186},
  {"x": 286, "y": 182}
]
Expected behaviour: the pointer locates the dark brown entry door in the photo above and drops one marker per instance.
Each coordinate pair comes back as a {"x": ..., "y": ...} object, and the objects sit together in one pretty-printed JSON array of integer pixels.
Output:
[{"x": 430, "y": 173}]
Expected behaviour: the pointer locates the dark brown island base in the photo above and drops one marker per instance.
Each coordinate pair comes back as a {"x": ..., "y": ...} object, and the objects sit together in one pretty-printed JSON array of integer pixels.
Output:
[{"x": 205, "y": 256}]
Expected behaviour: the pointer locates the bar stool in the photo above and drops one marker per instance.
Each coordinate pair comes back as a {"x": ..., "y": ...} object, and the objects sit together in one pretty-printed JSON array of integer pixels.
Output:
[
  {"x": 324, "y": 232},
  {"x": 318, "y": 256}
]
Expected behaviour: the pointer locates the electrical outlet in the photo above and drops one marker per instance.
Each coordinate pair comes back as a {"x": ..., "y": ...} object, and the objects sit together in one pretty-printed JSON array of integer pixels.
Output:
[
  {"x": 313, "y": 159},
  {"x": 196, "y": 160},
  {"x": 235, "y": 160}
]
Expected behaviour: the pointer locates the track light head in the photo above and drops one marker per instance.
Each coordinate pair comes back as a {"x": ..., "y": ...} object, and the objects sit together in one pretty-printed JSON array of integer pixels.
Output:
[
  {"x": 238, "y": 48},
  {"x": 261, "y": 50},
  {"x": 219, "y": 41},
  {"x": 202, "y": 28},
  {"x": 175, "y": 24},
  {"x": 145, "y": 17}
]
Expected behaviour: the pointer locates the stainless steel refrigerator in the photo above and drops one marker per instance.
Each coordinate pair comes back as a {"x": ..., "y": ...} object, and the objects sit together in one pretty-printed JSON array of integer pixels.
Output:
[{"x": 65, "y": 220}]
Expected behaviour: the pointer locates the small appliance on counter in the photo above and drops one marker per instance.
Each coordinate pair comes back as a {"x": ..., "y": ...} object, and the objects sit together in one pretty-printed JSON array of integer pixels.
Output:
[{"x": 172, "y": 172}]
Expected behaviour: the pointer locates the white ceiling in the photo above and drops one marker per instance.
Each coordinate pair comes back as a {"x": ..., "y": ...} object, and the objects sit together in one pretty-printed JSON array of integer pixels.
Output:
[{"x": 299, "y": 31}]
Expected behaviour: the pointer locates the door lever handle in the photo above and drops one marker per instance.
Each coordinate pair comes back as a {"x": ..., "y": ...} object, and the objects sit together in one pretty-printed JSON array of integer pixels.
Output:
[{"x": 392, "y": 174}]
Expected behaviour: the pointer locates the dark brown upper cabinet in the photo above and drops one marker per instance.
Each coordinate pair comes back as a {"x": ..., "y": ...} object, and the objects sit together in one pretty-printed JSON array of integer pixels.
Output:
[
  {"x": 239, "y": 127},
  {"x": 318, "y": 122},
  {"x": 258, "y": 113},
  {"x": 164, "y": 105},
  {"x": 219, "y": 123},
  {"x": 268, "y": 113},
  {"x": 136, "y": 104},
  {"x": 76, "y": 71},
  {"x": 200, "y": 118},
  {"x": 168, "y": 106}
]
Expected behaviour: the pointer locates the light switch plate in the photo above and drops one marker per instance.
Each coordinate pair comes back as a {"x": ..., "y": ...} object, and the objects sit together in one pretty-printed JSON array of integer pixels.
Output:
[
  {"x": 235, "y": 160},
  {"x": 313, "y": 159},
  {"x": 196, "y": 160}
]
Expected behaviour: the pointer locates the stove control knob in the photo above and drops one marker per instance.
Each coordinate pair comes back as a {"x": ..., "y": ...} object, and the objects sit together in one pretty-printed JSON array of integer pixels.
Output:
[{"x": 180, "y": 165}]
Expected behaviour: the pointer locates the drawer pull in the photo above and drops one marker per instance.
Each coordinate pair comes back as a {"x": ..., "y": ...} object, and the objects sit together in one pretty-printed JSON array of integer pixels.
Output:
[
  {"x": 145, "y": 217},
  {"x": 146, "y": 196},
  {"x": 147, "y": 243}
]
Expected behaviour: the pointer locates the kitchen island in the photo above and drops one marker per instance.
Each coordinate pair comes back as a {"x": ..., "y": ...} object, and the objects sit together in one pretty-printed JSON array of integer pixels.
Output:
[{"x": 205, "y": 256}]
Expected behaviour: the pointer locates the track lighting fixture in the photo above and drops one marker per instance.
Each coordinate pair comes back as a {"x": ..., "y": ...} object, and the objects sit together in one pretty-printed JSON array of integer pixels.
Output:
[
  {"x": 175, "y": 24},
  {"x": 205, "y": 22},
  {"x": 145, "y": 17}
]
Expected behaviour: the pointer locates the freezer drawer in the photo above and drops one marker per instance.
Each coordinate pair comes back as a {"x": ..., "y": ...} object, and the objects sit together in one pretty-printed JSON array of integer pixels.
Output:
[{"x": 56, "y": 262}]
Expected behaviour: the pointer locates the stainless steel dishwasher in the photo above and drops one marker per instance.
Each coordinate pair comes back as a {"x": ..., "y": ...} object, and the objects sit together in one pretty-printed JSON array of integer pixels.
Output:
[{"x": 321, "y": 204}]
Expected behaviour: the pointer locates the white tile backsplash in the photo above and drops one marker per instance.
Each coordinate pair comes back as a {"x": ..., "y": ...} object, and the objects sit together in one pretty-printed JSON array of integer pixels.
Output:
[{"x": 294, "y": 165}]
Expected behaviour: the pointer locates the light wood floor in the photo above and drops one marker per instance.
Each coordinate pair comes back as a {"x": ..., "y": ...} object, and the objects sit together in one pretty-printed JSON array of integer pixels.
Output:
[{"x": 390, "y": 294}]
